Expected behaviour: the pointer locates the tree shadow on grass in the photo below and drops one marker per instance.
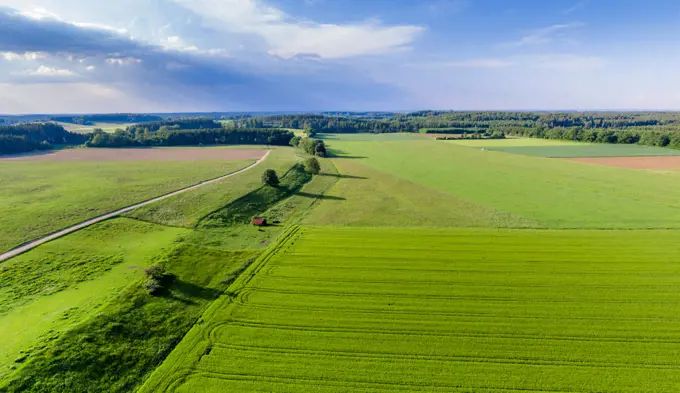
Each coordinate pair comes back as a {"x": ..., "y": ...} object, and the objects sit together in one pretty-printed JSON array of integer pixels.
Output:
[
  {"x": 184, "y": 292},
  {"x": 343, "y": 176},
  {"x": 320, "y": 196},
  {"x": 335, "y": 153}
]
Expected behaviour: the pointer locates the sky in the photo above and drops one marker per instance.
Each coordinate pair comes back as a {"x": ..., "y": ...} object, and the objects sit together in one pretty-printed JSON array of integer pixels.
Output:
[{"x": 102, "y": 56}]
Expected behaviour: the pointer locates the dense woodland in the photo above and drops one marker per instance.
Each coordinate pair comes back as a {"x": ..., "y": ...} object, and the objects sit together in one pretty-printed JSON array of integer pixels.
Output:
[
  {"x": 647, "y": 128},
  {"x": 35, "y": 136},
  {"x": 179, "y": 137}
]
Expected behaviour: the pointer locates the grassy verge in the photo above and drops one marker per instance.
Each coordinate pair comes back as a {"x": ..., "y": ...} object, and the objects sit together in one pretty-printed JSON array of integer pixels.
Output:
[{"x": 113, "y": 350}]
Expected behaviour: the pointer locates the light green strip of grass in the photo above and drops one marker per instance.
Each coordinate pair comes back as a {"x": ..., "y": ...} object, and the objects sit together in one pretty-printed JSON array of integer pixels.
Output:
[
  {"x": 554, "y": 193},
  {"x": 511, "y": 142},
  {"x": 364, "y": 196}
]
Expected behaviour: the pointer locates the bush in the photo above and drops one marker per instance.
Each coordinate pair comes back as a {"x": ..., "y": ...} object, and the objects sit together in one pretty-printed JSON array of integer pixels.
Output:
[
  {"x": 270, "y": 178},
  {"x": 312, "y": 166},
  {"x": 152, "y": 286},
  {"x": 157, "y": 272}
]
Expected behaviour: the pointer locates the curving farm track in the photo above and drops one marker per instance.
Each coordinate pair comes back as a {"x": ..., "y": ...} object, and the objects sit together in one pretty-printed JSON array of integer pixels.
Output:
[{"x": 28, "y": 246}]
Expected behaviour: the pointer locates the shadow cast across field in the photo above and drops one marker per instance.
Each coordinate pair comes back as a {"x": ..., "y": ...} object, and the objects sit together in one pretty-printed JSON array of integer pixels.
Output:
[
  {"x": 186, "y": 292},
  {"x": 320, "y": 196},
  {"x": 339, "y": 176},
  {"x": 334, "y": 153}
]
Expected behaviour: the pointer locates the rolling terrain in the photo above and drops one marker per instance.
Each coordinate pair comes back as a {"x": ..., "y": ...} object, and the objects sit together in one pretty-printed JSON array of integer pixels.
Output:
[{"x": 406, "y": 264}]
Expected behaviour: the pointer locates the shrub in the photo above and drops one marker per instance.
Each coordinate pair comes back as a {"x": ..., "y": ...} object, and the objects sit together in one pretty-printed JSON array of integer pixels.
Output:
[
  {"x": 157, "y": 272},
  {"x": 312, "y": 166},
  {"x": 269, "y": 178},
  {"x": 152, "y": 286}
]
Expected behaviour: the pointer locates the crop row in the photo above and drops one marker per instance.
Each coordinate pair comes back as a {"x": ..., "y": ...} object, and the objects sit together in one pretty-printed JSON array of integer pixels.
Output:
[{"x": 396, "y": 310}]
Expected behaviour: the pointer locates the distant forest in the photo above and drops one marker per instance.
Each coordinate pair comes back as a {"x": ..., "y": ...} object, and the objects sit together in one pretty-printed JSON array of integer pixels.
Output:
[
  {"x": 648, "y": 128},
  {"x": 110, "y": 118}
]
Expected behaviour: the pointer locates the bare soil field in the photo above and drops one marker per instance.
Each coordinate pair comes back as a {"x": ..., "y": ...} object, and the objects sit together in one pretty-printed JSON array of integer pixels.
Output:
[
  {"x": 663, "y": 162},
  {"x": 171, "y": 154}
]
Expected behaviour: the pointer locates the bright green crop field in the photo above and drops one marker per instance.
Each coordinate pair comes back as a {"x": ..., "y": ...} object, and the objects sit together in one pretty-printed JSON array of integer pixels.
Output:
[
  {"x": 39, "y": 198},
  {"x": 369, "y": 310}
]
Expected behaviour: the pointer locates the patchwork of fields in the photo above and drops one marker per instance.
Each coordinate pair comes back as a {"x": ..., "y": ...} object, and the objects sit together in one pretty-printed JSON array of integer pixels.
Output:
[
  {"x": 341, "y": 309},
  {"x": 408, "y": 264}
]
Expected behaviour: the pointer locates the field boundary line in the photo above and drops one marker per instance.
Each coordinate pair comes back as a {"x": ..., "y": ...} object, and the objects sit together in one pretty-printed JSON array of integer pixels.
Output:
[
  {"x": 199, "y": 334},
  {"x": 84, "y": 224}
]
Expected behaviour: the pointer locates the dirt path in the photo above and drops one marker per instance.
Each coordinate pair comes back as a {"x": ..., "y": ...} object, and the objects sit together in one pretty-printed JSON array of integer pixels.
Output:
[{"x": 28, "y": 246}]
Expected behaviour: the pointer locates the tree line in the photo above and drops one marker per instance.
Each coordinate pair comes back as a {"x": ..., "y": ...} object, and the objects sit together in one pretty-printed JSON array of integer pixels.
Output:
[
  {"x": 424, "y": 120},
  {"x": 649, "y": 136},
  {"x": 107, "y": 118},
  {"x": 179, "y": 137},
  {"x": 23, "y": 138}
]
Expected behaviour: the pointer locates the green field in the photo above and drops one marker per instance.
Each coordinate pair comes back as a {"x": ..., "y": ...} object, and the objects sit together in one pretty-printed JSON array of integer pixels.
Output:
[
  {"x": 585, "y": 150},
  {"x": 511, "y": 142},
  {"x": 56, "y": 286},
  {"x": 552, "y": 193},
  {"x": 373, "y": 310},
  {"x": 371, "y": 137},
  {"x": 407, "y": 264},
  {"x": 39, "y": 198}
]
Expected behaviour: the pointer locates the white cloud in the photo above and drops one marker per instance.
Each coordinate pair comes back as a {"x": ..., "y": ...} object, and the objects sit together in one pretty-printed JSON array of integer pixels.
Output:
[
  {"x": 11, "y": 56},
  {"x": 575, "y": 7},
  {"x": 567, "y": 62},
  {"x": 476, "y": 63},
  {"x": 542, "y": 36},
  {"x": 287, "y": 38},
  {"x": 551, "y": 61},
  {"x": 123, "y": 60},
  {"x": 99, "y": 26},
  {"x": 90, "y": 68},
  {"x": 48, "y": 72},
  {"x": 39, "y": 13},
  {"x": 177, "y": 43}
]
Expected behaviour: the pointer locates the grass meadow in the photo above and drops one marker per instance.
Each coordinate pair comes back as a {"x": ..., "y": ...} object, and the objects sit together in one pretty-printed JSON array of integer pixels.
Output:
[
  {"x": 335, "y": 309},
  {"x": 550, "y": 192},
  {"x": 39, "y": 198}
]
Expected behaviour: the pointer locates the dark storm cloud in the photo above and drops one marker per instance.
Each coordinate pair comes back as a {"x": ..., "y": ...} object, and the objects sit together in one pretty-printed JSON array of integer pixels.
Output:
[
  {"x": 201, "y": 80},
  {"x": 19, "y": 33}
]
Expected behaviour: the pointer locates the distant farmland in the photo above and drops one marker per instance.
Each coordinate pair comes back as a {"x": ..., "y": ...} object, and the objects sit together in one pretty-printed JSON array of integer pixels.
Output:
[{"x": 442, "y": 310}]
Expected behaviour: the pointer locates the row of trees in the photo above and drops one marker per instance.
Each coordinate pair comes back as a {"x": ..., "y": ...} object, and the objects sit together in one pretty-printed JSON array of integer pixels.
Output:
[
  {"x": 107, "y": 118},
  {"x": 315, "y": 147},
  {"x": 23, "y": 138},
  {"x": 167, "y": 137},
  {"x": 650, "y": 136},
  {"x": 416, "y": 121},
  {"x": 181, "y": 124}
]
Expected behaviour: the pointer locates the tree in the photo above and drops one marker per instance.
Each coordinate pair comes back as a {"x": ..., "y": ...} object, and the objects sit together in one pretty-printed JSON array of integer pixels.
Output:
[
  {"x": 320, "y": 149},
  {"x": 269, "y": 178},
  {"x": 312, "y": 166},
  {"x": 294, "y": 141}
]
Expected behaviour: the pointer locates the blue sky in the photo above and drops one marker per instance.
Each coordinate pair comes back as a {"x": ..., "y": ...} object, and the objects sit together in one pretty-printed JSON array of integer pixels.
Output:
[{"x": 76, "y": 56}]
